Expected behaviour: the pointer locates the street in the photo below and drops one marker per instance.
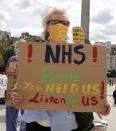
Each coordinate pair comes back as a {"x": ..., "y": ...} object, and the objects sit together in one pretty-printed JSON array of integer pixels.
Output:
[{"x": 111, "y": 118}]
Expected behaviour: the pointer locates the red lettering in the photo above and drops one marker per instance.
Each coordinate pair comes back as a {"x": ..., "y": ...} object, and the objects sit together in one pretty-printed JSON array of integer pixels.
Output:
[
  {"x": 85, "y": 100},
  {"x": 62, "y": 101},
  {"x": 56, "y": 101},
  {"x": 34, "y": 99},
  {"x": 51, "y": 99},
  {"x": 94, "y": 100},
  {"x": 42, "y": 99}
]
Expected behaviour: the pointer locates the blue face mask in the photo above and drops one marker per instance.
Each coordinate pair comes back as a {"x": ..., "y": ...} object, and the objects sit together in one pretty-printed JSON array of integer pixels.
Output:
[{"x": 17, "y": 51}]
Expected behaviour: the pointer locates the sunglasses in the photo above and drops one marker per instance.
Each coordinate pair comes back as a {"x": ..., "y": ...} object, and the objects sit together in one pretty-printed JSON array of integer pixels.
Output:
[{"x": 54, "y": 22}]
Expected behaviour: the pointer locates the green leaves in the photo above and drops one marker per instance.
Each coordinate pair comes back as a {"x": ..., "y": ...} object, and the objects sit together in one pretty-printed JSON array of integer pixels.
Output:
[{"x": 5, "y": 54}]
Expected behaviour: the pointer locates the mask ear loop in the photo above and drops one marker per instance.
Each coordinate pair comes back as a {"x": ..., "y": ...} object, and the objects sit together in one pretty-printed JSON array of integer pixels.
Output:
[
  {"x": 66, "y": 39},
  {"x": 46, "y": 36}
]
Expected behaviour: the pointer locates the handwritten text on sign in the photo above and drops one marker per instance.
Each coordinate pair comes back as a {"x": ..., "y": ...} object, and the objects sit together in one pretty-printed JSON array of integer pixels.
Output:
[{"x": 62, "y": 77}]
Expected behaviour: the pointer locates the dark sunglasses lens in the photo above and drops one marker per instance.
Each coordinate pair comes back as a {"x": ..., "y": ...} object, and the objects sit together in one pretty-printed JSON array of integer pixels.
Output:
[
  {"x": 53, "y": 22},
  {"x": 65, "y": 23}
]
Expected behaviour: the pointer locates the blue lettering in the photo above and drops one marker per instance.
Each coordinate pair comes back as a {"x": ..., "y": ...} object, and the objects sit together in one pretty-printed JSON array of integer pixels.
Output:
[
  {"x": 76, "y": 50},
  {"x": 49, "y": 52},
  {"x": 64, "y": 53}
]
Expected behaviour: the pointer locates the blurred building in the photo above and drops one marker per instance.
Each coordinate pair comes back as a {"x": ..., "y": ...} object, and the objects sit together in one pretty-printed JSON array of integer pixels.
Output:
[
  {"x": 113, "y": 57},
  {"x": 4, "y": 37},
  {"x": 111, "y": 54},
  {"x": 28, "y": 37}
]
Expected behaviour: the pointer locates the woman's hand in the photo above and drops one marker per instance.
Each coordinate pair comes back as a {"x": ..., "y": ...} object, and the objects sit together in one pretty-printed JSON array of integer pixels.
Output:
[
  {"x": 106, "y": 111},
  {"x": 16, "y": 97}
]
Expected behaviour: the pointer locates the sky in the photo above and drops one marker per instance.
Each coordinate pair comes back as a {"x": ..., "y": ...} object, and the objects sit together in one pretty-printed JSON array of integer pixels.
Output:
[{"x": 17, "y": 16}]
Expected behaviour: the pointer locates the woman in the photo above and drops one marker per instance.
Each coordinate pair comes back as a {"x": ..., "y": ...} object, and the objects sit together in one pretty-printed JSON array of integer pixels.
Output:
[
  {"x": 55, "y": 31},
  {"x": 11, "y": 111}
]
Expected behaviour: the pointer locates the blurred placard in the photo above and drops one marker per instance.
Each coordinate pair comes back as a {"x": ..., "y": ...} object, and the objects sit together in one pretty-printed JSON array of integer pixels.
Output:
[
  {"x": 78, "y": 35},
  {"x": 3, "y": 82}
]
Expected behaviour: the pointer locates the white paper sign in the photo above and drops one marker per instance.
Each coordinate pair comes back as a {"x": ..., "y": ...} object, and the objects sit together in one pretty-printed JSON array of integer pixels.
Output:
[{"x": 3, "y": 82}]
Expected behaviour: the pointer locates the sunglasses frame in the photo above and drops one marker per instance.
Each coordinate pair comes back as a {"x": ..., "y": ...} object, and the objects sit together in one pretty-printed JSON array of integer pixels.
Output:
[{"x": 66, "y": 23}]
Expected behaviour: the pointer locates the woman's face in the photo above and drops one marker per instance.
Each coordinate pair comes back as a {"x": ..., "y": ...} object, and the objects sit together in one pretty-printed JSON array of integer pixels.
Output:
[
  {"x": 59, "y": 22},
  {"x": 59, "y": 17}
]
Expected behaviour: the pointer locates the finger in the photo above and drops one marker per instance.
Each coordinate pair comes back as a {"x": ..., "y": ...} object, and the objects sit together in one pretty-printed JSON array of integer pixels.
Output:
[
  {"x": 106, "y": 112},
  {"x": 107, "y": 109},
  {"x": 99, "y": 115},
  {"x": 16, "y": 100},
  {"x": 15, "y": 103},
  {"x": 14, "y": 94}
]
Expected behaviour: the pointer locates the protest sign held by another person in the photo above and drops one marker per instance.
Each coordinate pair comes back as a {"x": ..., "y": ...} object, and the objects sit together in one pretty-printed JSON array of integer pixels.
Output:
[
  {"x": 11, "y": 111},
  {"x": 78, "y": 35},
  {"x": 3, "y": 86},
  {"x": 12, "y": 79}
]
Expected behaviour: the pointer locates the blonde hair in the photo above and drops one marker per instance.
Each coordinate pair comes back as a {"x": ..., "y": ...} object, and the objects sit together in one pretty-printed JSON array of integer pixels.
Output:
[{"x": 45, "y": 20}]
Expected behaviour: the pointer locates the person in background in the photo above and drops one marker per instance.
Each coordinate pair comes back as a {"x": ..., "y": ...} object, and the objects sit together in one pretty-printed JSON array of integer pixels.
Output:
[
  {"x": 110, "y": 81},
  {"x": 11, "y": 111},
  {"x": 55, "y": 26},
  {"x": 114, "y": 95}
]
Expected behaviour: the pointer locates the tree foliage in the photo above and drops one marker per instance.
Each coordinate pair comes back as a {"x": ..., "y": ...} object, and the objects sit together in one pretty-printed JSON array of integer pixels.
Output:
[{"x": 5, "y": 54}]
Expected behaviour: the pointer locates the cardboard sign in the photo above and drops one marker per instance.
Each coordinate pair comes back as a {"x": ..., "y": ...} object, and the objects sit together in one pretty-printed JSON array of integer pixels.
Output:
[
  {"x": 62, "y": 77},
  {"x": 12, "y": 79},
  {"x": 78, "y": 35},
  {"x": 3, "y": 82}
]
